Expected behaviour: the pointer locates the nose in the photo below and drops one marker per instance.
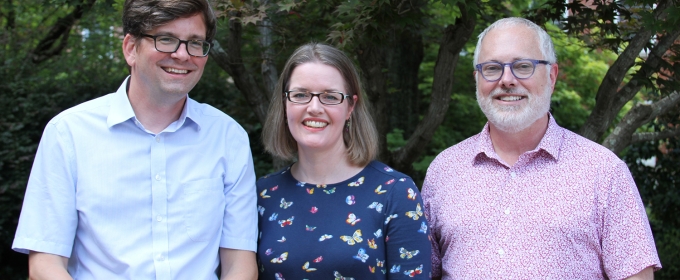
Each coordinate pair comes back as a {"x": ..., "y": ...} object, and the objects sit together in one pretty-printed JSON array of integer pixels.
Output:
[
  {"x": 181, "y": 53},
  {"x": 314, "y": 106},
  {"x": 508, "y": 78}
]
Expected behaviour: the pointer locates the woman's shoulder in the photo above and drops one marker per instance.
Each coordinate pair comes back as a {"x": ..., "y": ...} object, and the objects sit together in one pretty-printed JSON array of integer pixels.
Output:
[
  {"x": 274, "y": 177},
  {"x": 388, "y": 178},
  {"x": 377, "y": 168}
]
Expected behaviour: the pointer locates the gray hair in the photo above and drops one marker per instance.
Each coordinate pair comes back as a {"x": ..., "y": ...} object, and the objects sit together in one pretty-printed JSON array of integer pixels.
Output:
[{"x": 545, "y": 42}]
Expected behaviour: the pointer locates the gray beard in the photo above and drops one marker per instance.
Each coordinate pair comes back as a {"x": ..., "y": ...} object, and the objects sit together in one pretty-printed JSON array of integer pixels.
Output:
[{"x": 515, "y": 118}]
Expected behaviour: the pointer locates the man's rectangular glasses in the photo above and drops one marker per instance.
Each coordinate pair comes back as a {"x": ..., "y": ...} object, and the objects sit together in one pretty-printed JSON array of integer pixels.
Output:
[
  {"x": 326, "y": 97},
  {"x": 169, "y": 44},
  {"x": 521, "y": 69}
]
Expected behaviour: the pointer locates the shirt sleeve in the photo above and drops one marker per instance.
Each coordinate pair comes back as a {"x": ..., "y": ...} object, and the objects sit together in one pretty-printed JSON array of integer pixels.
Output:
[
  {"x": 406, "y": 240},
  {"x": 627, "y": 241},
  {"x": 431, "y": 215},
  {"x": 239, "y": 228},
  {"x": 49, "y": 219}
]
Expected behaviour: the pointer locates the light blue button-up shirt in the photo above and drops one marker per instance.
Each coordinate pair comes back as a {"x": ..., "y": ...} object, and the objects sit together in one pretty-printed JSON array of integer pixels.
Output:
[{"x": 123, "y": 203}]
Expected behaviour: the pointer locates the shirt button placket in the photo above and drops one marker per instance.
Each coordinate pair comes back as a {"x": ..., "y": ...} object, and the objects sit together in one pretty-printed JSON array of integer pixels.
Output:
[
  {"x": 159, "y": 207},
  {"x": 509, "y": 198}
]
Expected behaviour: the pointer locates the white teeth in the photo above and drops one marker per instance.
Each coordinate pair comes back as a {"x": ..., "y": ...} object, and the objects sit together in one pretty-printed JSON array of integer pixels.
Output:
[
  {"x": 177, "y": 71},
  {"x": 510, "y": 98},
  {"x": 315, "y": 124}
]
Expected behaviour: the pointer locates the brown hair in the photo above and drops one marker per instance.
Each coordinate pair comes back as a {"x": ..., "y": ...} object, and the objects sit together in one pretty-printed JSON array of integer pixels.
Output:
[
  {"x": 140, "y": 16},
  {"x": 362, "y": 138}
]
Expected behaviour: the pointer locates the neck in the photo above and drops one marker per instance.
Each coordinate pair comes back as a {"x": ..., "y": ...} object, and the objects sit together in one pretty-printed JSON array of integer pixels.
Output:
[
  {"x": 510, "y": 146},
  {"x": 155, "y": 112},
  {"x": 323, "y": 167}
]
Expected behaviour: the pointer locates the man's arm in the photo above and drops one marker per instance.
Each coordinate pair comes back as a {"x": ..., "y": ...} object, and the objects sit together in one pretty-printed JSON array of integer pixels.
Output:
[
  {"x": 238, "y": 264},
  {"x": 47, "y": 266},
  {"x": 645, "y": 274}
]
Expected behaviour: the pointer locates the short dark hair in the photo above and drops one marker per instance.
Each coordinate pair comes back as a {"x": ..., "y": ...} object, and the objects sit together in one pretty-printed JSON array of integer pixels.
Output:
[
  {"x": 361, "y": 138},
  {"x": 140, "y": 16}
]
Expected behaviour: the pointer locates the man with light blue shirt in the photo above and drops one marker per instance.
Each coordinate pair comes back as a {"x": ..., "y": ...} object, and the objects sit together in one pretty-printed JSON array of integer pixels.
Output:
[{"x": 145, "y": 183}]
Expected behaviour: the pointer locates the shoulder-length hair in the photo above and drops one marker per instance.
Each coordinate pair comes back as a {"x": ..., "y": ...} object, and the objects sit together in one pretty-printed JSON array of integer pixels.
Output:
[{"x": 361, "y": 139}]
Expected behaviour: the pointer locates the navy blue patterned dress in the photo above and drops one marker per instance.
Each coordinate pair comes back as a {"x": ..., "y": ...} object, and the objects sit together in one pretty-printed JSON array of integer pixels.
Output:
[{"x": 368, "y": 227}]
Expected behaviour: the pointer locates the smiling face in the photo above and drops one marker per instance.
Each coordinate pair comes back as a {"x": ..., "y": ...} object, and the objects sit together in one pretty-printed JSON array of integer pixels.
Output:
[
  {"x": 511, "y": 104},
  {"x": 316, "y": 126},
  {"x": 165, "y": 76}
]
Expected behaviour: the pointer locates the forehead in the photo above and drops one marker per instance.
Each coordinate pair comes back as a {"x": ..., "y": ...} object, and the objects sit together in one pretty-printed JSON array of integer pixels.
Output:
[
  {"x": 316, "y": 76},
  {"x": 506, "y": 44},
  {"x": 193, "y": 27}
]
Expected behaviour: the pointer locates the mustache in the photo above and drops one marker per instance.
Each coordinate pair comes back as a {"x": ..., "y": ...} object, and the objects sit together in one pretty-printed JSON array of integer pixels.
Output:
[{"x": 500, "y": 91}]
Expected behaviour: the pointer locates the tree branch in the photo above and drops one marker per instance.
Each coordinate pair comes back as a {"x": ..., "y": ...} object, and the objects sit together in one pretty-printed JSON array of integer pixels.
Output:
[
  {"x": 59, "y": 32},
  {"x": 653, "y": 136},
  {"x": 622, "y": 136},
  {"x": 231, "y": 61},
  {"x": 455, "y": 37},
  {"x": 609, "y": 100}
]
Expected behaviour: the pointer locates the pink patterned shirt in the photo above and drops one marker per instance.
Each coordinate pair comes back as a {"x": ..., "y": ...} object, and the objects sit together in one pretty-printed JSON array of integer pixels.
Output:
[{"x": 567, "y": 210}]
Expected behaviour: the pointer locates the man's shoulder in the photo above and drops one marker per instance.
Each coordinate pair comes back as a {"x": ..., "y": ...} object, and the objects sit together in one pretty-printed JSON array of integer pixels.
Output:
[
  {"x": 577, "y": 146},
  {"x": 93, "y": 108},
  {"x": 211, "y": 114},
  {"x": 467, "y": 148}
]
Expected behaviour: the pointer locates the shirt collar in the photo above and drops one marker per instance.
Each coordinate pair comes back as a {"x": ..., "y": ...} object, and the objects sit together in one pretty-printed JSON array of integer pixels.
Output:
[
  {"x": 553, "y": 138},
  {"x": 121, "y": 110},
  {"x": 550, "y": 143}
]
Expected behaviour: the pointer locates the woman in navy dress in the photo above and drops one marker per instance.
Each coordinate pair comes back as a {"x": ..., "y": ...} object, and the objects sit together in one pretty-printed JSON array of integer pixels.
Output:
[{"x": 335, "y": 213}]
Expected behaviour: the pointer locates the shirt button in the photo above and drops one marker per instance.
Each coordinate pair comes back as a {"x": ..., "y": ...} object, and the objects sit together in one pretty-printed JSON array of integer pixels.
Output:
[
  {"x": 158, "y": 138},
  {"x": 513, "y": 174},
  {"x": 507, "y": 211},
  {"x": 158, "y": 177},
  {"x": 161, "y": 257},
  {"x": 159, "y": 218}
]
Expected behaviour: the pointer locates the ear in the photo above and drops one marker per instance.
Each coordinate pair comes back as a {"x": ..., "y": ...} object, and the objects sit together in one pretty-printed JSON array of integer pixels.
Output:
[
  {"x": 351, "y": 107},
  {"x": 130, "y": 49},
  {"x": 554, "y": 69}
]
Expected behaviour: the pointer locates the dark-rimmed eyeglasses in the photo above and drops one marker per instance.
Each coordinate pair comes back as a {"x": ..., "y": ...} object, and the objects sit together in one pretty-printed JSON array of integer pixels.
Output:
[
  {"x": 169, "y": 44},
  {"x": 521, "y": 69},
  {"x": 326, "y": 97}
]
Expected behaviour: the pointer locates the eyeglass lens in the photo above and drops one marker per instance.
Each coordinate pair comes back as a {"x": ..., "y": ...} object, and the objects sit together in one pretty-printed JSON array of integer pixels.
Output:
[
  {"x": 329, "y": 98},
  {"x": 522, "y": 69},
  {"x": 171, "y": 44}
]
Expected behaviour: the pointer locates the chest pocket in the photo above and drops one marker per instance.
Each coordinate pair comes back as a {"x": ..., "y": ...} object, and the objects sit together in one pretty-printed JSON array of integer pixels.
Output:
[{"x": 202, "y": 207}]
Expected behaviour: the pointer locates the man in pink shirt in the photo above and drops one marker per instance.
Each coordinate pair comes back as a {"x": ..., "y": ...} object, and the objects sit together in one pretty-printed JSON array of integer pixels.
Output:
[{"x": 526, "y": 198}]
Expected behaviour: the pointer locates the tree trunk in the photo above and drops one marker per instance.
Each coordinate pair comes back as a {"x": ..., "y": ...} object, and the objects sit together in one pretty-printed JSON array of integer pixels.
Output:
[
  {"x": 268, "y": 70},
  {"x": 453, "y": 41},
  {"x": 372, "y": 61},
  {"x": 404, "y": 97}
]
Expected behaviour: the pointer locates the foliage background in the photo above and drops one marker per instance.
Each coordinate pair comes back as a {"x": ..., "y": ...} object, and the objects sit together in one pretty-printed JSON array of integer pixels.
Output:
[{"x": 91, "y": 66}]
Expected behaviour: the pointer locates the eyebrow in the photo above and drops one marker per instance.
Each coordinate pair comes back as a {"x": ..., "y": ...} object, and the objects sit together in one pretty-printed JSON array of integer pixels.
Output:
[
  {"x": 513, "y": 59},
  {"x": 192, "y": 37},
  {"x": 305, "y": 89}
]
